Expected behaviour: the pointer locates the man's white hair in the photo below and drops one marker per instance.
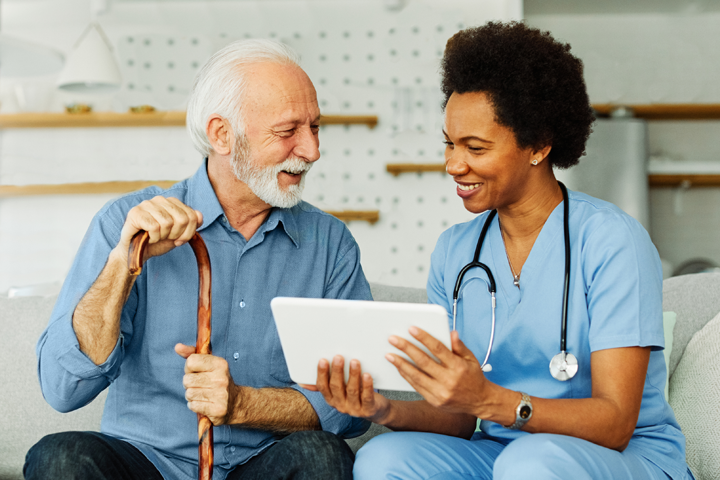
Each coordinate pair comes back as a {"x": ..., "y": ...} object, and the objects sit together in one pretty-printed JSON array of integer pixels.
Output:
[{"x": 219, "y": 87}]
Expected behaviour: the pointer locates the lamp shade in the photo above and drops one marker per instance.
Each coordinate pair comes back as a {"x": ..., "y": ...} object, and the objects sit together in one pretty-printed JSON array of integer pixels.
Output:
[{"x": 91, "y": 66}]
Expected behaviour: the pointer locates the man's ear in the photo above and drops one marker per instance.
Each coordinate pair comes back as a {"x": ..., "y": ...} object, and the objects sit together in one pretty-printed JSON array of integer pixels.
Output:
[{"x": 220, "y": 135}]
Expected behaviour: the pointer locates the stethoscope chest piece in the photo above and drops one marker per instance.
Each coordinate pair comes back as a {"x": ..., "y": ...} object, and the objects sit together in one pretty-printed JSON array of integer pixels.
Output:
[{"x": 563, "y": 366}]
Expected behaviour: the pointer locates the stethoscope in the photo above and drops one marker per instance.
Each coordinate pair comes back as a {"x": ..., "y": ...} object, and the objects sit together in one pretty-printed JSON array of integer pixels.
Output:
[{"x": 564, "y": 365}]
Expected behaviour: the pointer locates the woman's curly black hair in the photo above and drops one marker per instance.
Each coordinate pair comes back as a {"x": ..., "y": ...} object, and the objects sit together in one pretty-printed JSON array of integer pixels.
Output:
[{"x": 534, "y": 83}]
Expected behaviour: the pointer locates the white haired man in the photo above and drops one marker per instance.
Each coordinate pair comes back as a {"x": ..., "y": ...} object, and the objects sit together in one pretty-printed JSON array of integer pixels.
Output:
[{"x": 253, "y": 113}]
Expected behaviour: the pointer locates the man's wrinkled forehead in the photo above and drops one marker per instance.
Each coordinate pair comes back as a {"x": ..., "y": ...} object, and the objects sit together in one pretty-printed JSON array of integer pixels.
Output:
[
  {"x": 282, "y": 83},
  {"x": 280, "y": 91}
]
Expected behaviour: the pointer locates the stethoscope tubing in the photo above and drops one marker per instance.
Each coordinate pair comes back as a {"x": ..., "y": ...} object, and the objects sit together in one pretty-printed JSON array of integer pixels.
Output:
[
  {"x": 566, "y": 291},
  {"x": 493, "y": 289}
]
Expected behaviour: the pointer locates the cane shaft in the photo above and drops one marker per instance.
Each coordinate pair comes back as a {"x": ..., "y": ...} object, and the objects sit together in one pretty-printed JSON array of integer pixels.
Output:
[
  {"x": 136, "y": 254},
  {"x": 202, "y": 345}
]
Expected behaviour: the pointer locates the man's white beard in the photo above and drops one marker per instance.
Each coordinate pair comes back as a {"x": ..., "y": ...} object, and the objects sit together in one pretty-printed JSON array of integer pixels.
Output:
[{"x": 263, "y": 181}]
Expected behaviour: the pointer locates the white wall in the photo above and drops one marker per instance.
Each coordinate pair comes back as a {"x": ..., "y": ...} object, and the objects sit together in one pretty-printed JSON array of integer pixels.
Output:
[
  {"x": 630, "y": 58},
  {"x": 362, "y": 57},
  {"x": 645, "y": 58}
]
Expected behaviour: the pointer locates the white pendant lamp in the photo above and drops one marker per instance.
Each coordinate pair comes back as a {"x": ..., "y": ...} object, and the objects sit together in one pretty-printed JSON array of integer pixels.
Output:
[{"x": 91, "y": 66}]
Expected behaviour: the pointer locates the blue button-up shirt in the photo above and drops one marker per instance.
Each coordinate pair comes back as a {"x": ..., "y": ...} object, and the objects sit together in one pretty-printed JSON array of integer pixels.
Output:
[{"x": 297, "y": 252}]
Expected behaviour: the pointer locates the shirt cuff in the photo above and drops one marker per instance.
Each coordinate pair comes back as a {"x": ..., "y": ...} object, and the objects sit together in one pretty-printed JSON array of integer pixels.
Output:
[
  {"x": 65, "y": 348},
  {"x": 331, "y": 420}
]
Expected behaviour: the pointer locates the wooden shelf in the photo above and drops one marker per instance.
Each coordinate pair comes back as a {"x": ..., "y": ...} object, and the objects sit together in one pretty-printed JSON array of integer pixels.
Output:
[
  {"x": 370, "y": 120},
  {"x": 688, "y": 111},
  {"x": 678, "y": 179},
  {"x": 654, "y": 179},
  {"x": 370, "y": 216},
  {"x": 99, "y": 119},
  {"x": 80, "y": 188},
  {"x": 152, "y": 119},
  {"x": 398, "y": 168},
  {"x": 6, "y": 191}
]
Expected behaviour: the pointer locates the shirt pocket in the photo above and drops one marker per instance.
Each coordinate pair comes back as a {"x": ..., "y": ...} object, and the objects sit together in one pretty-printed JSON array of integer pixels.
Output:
[{"x": 278, "y": 365}]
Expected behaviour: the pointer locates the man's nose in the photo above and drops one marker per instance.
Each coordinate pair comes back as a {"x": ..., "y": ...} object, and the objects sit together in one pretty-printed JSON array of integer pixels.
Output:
[{"x": 308, "y": 145}]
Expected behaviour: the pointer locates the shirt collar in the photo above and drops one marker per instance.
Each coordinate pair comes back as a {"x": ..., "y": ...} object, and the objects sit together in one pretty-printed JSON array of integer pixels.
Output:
[
  {"x": 202, "y": 197},
  {"x": 286, "y": 218}
]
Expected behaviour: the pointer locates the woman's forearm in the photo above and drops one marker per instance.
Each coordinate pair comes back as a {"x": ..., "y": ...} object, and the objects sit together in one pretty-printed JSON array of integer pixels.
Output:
[
  {"x": 608, "y": 418},
  {"x": 597, "y": 420}
]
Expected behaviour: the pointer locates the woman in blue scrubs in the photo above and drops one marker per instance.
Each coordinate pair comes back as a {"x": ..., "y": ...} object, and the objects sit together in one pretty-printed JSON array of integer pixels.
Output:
[{"x": 516, "y": 106}]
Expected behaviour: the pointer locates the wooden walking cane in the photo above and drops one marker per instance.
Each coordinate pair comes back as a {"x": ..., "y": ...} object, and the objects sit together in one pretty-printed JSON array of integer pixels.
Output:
[{"x": 136, "y": 252}]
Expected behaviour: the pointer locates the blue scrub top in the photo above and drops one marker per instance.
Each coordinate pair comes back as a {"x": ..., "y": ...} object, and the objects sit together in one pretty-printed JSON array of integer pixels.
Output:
[{"x": 615, "y": 301}]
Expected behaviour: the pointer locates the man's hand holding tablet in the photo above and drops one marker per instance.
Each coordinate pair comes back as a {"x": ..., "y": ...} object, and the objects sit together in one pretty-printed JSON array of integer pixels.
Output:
[{"x": 357, "y": 398}]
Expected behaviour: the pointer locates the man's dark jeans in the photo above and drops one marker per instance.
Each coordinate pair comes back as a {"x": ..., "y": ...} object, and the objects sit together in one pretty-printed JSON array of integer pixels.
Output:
[{"x": 91, "y": 455}]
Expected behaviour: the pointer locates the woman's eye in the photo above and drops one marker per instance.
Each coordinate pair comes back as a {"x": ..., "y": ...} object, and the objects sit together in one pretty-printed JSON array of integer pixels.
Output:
[
  {"x": 448, "y": 144},
  {"x": 476, "y": 149}
]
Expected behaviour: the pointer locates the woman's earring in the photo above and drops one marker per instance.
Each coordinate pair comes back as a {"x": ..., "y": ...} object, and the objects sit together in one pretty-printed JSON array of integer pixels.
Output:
[{"x": 535, "y": 162}]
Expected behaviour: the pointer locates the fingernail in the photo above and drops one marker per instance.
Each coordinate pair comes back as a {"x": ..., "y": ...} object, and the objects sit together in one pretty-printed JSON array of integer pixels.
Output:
[
  {"x": 354, "y": 364},
  {"x": 413, "y": 330},
  {"x": 393, "y": 340},
  {"x": 390, "y": 358},
  {"x": 338, "y": 359}
]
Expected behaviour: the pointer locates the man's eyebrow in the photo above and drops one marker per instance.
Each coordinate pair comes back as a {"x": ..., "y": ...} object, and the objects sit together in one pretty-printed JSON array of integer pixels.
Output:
[
  {"x": 287, "y": 123},
  {"x": 470, "y": 137}
]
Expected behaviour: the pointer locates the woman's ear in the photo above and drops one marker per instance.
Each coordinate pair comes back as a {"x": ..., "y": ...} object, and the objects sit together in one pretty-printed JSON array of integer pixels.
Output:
[
  {"x": 220, "y": 135},
  {"x": 539, "y": 155}
]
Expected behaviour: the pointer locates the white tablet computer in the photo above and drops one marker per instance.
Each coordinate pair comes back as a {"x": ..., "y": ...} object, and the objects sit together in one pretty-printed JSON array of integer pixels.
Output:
[{"x": 312, "y": 328}]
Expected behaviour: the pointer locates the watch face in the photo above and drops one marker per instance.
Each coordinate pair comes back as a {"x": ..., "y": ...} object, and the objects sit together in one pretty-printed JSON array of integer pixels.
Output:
[{"x": 525, "y": 411}]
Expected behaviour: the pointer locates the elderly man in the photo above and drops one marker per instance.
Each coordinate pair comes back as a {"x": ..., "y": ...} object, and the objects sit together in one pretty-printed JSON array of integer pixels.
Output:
[{"x": 253, "y": 113}]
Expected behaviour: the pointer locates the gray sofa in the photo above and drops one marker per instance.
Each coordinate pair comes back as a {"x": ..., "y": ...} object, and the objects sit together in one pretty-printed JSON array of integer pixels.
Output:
[{"x": 694, "y": 374}]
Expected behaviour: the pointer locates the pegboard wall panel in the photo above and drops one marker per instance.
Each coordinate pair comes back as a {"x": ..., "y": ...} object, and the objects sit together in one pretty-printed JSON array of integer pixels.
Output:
[{"x": 363, "y": 57}]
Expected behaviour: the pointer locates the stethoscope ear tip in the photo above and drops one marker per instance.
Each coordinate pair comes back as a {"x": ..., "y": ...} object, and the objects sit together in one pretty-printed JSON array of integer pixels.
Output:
[{"x": 487, "y": 368}]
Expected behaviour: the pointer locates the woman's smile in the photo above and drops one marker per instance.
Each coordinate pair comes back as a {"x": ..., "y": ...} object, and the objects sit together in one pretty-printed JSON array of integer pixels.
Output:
[{"x": 465, "y": 190}]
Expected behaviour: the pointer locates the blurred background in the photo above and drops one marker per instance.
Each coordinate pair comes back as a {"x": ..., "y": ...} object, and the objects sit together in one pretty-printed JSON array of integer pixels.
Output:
[{"x": 652, "y": 68}]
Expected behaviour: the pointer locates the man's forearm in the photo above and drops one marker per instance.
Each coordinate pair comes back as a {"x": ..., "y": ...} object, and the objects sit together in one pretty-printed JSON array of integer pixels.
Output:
[
  {"x": 281, "y": 410},
  {"x": 96, "y": 319}
]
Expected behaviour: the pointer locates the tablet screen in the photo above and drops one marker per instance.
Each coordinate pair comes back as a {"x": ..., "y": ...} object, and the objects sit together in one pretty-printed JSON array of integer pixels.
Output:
[{"x": 311, "y": 329}]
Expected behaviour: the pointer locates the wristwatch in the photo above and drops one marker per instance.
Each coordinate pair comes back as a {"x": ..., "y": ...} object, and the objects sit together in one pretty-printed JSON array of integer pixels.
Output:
[{"x": 523, "y": 412}]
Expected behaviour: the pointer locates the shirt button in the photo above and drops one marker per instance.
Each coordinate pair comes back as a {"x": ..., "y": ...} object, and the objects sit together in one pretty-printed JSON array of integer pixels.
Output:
[
  {"x": 242, "y": 304},
  {"x": 232, "y": 449},
  {"x": 236, "y": 355}
]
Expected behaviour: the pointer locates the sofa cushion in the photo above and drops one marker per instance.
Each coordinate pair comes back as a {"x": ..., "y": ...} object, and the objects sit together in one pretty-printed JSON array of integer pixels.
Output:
[
  {"x": 695, "y": 397},
  {"x": 26, "y": 417},
  {"x": 386, "y": 293},
  {"x": 695, "y": 299}
]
